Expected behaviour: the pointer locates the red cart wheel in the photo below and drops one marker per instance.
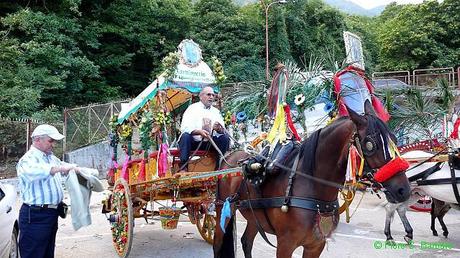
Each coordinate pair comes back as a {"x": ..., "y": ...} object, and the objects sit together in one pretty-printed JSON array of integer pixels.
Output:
[{"x": 121, "y": 218}]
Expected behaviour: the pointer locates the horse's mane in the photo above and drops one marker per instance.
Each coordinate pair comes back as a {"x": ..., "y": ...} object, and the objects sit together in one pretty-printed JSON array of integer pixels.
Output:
[
  {"x": 308, "y": 150},
  {"x": 375, "y": 125},
  {"x": 308, "y": 147}
]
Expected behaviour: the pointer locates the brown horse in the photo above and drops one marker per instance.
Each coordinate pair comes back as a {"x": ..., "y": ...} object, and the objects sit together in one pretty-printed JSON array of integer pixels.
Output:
[{"x": 312, "y": 200}]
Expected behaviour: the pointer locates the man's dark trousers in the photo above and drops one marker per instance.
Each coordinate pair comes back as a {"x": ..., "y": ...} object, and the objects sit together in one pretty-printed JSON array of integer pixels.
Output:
[
  {"x": 187, "y": 144},
  {"x": 37, "y": 227}
]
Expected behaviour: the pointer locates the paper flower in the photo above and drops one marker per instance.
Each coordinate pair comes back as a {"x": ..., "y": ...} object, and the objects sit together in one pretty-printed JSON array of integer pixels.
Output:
[
  {"x": 299, "y": 99},
  {"x": 328, "y": 107},
  {"x": 241, "y": 116}
]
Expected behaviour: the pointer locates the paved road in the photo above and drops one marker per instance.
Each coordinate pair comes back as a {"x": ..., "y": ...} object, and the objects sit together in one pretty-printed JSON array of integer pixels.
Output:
[{"x": 356, "y": 239}]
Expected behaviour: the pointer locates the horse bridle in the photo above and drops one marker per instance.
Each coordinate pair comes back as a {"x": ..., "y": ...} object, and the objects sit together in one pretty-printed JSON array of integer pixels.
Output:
[{"x": 370, "y": 148}]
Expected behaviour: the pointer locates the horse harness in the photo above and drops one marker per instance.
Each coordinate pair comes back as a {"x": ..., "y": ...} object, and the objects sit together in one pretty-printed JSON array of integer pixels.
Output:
[
  {"x": 326, "y": 208},
  {"x": 453, "y": 180}
]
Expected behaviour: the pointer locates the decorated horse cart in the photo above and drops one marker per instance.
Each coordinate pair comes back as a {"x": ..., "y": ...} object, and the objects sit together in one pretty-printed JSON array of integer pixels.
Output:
[
  {"x": 150, "y": 174},
  {"x": 146, "y": 128}
]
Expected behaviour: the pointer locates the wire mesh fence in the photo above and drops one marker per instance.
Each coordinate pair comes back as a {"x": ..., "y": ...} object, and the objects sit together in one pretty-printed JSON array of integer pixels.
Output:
[
  {"x": 88, "y": 125},
  {"x": 16, "y": 140}
]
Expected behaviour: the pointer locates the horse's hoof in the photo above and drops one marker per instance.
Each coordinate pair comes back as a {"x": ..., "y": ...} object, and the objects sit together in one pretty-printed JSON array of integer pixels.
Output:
[
  {"x": 435, "y": 233},
  {"x": 408, "y": 239},
  {"x": 390, "y": 242},
  {"x": 445, "y": 233}
]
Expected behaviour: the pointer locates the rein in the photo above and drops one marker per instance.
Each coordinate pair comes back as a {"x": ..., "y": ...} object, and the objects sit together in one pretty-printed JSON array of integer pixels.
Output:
[{"x": 299, "y": 173}]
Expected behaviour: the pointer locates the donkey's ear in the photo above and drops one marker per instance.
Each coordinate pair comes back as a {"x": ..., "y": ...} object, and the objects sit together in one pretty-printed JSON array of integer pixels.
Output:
[
  {"x": 369, "y": 109},
  {"x": 359, "y": 120}
]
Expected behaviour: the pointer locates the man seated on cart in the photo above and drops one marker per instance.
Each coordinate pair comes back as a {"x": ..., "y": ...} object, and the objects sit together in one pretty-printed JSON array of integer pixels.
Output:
[{"x": 201, "y": 123}]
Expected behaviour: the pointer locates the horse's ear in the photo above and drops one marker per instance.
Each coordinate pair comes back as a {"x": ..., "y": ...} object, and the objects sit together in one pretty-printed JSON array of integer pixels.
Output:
[
  {"x": 359, "y": 120},
  {"x": 369, "y": 109}
]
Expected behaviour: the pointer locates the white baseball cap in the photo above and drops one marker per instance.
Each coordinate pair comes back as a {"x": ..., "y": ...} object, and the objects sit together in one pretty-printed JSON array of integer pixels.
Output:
[{"x": 49, "y": 130}]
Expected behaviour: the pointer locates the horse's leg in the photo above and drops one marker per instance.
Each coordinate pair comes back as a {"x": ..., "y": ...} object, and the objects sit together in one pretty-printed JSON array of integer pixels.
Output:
[
  {"x": 313, "y": 252},
  {"x": 407, "y": 227},
  {"x": 445, "y": 232},
  {"x": 285, "y": 246},
  {"x": 390, "y": 212},
  {"x": 225, "y": 247},
  {"x": 247, "y": 240},
  {"x": 433, "y": 214},
  {"x": 218, "y": 234},
  {"x": 442, "y": 209}
]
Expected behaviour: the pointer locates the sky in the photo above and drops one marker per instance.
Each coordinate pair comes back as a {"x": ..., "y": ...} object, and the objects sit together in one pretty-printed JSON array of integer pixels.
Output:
[{"x": 368, "y": 4}]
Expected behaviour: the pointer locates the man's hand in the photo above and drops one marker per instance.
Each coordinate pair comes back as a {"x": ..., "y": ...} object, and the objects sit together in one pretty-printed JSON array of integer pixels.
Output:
[
  {"x": 64, "y": 169},
  {"x": 218, "y": 127},
  {"x": 203, "y": 133}
]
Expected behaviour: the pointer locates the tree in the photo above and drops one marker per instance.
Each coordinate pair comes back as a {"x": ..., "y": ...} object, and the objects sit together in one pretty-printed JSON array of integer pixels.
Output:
[
  {"x": 411, "y": 36},
  {"x": 232, "y": 34},
  {"x": 133, "y": 37},
  {"x": 314, "y": 28}
]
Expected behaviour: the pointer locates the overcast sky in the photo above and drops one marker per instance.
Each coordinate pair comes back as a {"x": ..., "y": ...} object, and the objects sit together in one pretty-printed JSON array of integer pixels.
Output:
[{"x": 373, "y": 3}]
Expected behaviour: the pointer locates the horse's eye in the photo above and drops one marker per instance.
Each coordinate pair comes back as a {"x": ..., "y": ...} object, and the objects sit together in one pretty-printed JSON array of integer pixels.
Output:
[{"x": 369, "y": 146}]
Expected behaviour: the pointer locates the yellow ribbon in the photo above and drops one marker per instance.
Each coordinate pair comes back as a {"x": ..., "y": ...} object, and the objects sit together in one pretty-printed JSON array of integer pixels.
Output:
[
  {"x": 279, "y": 126},
  {"x": 394, "y": 152}
]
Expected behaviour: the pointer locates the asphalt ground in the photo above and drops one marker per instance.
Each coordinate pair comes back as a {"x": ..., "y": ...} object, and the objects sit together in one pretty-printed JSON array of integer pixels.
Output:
[{"x": 362, "y": 237}]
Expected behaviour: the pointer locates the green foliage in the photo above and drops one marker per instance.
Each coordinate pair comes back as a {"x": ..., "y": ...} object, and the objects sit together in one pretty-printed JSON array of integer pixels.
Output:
[
  {"x": 232, "y": 36},
  {"x": 74, "y": 52},
  {"x": 419, "y": 36},
  {"x": 49, "y": 45},
  {"x": 314, "y": 28},
  {"x": 49, "y": 114}
]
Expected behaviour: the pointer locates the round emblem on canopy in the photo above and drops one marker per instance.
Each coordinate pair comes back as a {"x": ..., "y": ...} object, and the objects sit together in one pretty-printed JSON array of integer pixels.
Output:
[{"x": 190, "y": 53}]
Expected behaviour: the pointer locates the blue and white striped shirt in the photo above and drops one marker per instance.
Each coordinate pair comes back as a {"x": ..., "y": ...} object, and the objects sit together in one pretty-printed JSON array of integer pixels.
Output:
[{"x": 37, "y": 185}]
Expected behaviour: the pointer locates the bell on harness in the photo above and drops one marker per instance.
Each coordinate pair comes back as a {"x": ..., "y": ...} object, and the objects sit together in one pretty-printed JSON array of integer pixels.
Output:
[{"x": 254, "y": 169}]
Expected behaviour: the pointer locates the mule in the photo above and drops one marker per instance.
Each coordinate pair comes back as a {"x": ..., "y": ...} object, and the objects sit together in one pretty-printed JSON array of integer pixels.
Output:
[
  {"x": 301, "y": 208},
  {"x": 401, "y": 207},
  {"x": 430, "y": 178}
]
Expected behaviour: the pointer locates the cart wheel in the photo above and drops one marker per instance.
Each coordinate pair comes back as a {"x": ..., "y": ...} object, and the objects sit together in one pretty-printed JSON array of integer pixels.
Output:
[
  {"x": 206, "y": 224},
  {"x": 121, "y": 218}
]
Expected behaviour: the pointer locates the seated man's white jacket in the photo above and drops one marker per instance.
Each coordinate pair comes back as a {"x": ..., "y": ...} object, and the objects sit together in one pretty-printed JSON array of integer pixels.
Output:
[{"x": 79, "y": 187}]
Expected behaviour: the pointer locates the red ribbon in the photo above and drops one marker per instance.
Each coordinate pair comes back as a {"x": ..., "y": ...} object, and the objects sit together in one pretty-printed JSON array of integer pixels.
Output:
[
  {"x": 287, "y": 111},
  {"x": 141, "y": 176},
  {"x": 454, "y": 134}
]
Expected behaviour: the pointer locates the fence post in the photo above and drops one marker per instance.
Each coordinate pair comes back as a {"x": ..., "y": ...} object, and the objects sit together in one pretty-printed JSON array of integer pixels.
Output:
[
  {"x": 64, "y": 131},
  {"x": 28, "y": 132},
  {"x": 458, "y": 76},
  {"x": 89, "y": 124}
]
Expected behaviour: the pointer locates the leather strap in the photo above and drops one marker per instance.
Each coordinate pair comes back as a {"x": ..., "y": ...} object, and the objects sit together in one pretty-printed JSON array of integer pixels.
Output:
[
  {"x": 298, "y": 202},
  {"x": 291, "y": 179},
  {"x": 438, "y": 181},
  {"x": 453, "y": 178}
]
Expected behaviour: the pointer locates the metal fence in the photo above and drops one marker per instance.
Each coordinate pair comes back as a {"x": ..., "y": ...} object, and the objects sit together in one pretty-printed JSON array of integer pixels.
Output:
[
  {"x": 16, "y": 140},
  {"x": 422, "y": 77},
  {"x": 88, "y": 125}
]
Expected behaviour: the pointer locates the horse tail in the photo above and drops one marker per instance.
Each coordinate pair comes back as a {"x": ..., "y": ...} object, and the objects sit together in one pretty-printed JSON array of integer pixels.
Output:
[{"x": 227, "y": 249}]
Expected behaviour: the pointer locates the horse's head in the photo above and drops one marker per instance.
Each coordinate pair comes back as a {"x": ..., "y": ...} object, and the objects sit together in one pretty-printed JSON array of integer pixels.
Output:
[{"x": 383, "y": 166}]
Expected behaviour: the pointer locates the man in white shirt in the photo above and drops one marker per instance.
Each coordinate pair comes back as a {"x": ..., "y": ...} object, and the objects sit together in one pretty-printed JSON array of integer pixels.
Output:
[
  {"x": 201, "y": 122},
  {"x": 40, "y": 179}
]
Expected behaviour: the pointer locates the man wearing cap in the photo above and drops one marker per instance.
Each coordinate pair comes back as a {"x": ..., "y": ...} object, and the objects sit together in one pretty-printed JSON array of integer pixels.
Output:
[
  {"x": 40, "y": 179},
  {"x": 198, "y": 122}
]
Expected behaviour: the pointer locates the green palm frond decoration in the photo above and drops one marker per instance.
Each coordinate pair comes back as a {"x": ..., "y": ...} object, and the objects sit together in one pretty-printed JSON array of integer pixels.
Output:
[
  {"x": 446, "y": 95},
  {"x": 420, "y": 113},
  {"x": 248, "y": 96}
]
